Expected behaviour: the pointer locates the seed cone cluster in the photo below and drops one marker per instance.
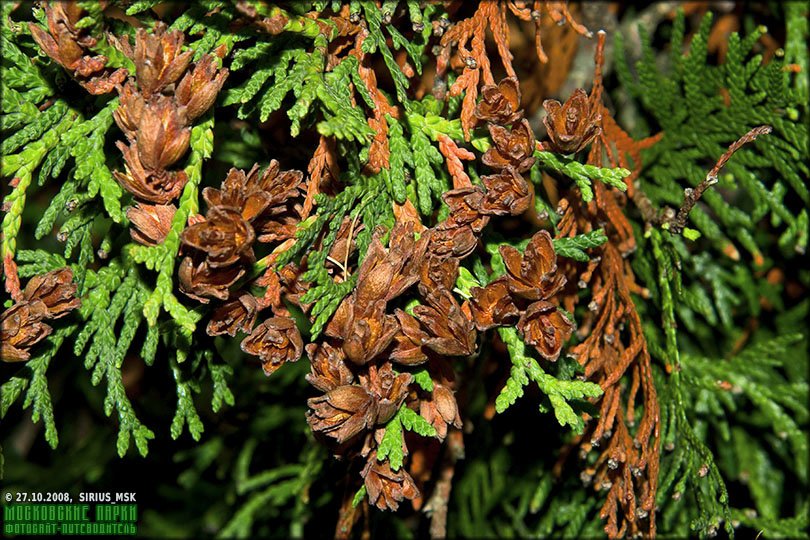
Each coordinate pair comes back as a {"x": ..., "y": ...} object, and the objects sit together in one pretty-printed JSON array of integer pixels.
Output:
[
  {"x": 512, "y": 152},
  {"x": 370, "y": 338},
  {"x": 47, "y": 296},
  {"x": 402, "y": 313},
  {"x": 156, "y": 111},
  {"x": 69, "y": 45},
  {"x": 522, "y": 297},
  {"x": 360, "y": 362},
  {"x": 219, "y": 251}
]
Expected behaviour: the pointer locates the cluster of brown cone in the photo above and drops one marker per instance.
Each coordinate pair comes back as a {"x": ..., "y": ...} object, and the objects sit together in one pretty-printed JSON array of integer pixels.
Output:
[
  {"x": 49, "y": 296},
  {"x": 248, "y": 207},
  {"x": 69, "y": 45},
  {"x": 354, "y": 365},
  {"x": 523, "y": 296},
  {"x": 156, "y": 110}
]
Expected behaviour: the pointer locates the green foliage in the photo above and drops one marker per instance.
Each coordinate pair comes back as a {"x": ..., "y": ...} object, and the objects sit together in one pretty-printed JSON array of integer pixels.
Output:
[
  {"x": 558, "y": 392},
  {"x": 392, "y": 445},
  {"x": 702, "y": 109},
  {"x": 275, "y": 487},
  {"x": 359, "y": 496},
  {"x": 422, "y": 377},
  {"x": 706, "y": 443},
  {"x": 38, "y": 396},
  {"x": 724, "y": 320},
  {"x": 296, "y": 64},
  {"x": 377, "y": 41},
  {"x": 574, "y": 248},
  {"x": 113, "y": 293},
  {"x": 22, "y": 166},
  {"x": 582, "y": 174},
  {"x": 498, "y": 495},
  {"x": 364, "y": 202}
]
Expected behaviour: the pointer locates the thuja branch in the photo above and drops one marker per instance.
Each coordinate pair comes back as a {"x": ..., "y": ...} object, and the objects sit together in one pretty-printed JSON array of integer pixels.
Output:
[
  {"x": 275, "y": 20},
  {"x": 201, "y": 146},
  {"x": 675, "y": 222},
  {"x": 22, "y": 166}
]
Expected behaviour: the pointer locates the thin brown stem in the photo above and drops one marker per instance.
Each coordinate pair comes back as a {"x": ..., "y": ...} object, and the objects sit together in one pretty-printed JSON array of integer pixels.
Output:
[
  {"x": 437, "y": 505},
  {"x": 675, "y": 222}
]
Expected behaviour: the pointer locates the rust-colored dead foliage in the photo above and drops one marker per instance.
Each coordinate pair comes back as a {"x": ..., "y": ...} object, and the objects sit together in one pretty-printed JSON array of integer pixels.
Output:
[
  {"x": 468, "y": 38},
  {"x": 614, "y": 351}
]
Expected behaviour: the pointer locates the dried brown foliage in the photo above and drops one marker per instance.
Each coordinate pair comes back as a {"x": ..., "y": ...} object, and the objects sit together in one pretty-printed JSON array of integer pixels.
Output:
[
  {"x": 492, "y": 17},
  {"x": 614, "y": 350}
]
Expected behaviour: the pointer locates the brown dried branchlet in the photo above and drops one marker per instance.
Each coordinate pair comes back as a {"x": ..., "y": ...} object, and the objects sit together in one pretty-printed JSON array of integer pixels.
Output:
[
  {"x": 454, "y": 155},
  {"x": 545, "y": 327},
  {"x": 500, "y": 104},
  {"x": 676, "y": 222},
  {"x": 618, "y": 361},
  {"x": 386, "y": 487},
  {"x": 533, "y": 275},
  {"x": 236, "y": 315},
  {"x": 150, "y": 222},
  {"x": 69, "y": 45},
  {"x": 513, "y": 147},
  {"x": 573, "y": 125},
  {"x": 275, "y": 341}
]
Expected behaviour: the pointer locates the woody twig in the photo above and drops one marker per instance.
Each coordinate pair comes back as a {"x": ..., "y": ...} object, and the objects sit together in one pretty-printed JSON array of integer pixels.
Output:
[{"x": 675, "y": 221}]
